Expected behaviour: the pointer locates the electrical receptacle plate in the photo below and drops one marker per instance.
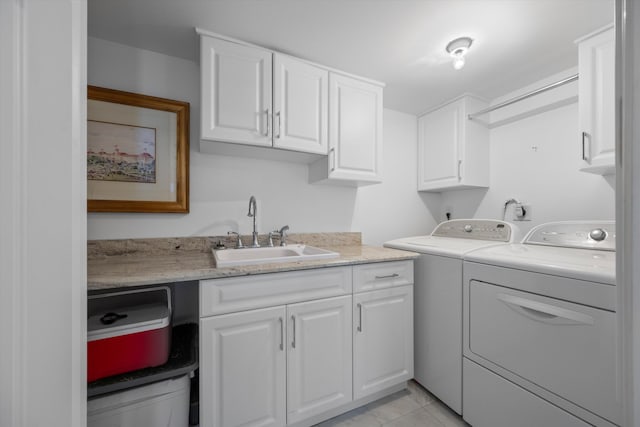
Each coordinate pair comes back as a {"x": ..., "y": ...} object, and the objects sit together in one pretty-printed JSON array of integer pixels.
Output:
[{"x": 527, "y": 213}]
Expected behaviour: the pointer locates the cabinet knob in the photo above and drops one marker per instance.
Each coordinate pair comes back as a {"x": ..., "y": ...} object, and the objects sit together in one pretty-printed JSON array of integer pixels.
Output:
[
  {"x": 468, "y": 228},
  {"x": 598, "y": 234}
]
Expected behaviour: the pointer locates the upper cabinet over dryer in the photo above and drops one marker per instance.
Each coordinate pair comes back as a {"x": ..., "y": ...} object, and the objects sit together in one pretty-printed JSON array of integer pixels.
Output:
[
  {"x": 260, "y": 103},
  {"x": 596, "y": 64}
]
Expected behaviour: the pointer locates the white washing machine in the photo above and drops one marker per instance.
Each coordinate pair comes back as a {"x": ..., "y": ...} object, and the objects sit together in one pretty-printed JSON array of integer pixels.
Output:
[
  {"x": 438, "y": 299},
  {"x": 540, "y": 329}
]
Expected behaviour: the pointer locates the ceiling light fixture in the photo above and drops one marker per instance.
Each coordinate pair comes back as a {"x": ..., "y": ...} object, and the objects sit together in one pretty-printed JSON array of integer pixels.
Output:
[{"x": 458, "y": 49}]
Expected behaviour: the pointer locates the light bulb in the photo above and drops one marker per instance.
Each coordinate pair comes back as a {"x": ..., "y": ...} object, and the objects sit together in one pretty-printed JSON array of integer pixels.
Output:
[
  {"x": 458, "y": 49},
  {"x": 458, "y": 62}
]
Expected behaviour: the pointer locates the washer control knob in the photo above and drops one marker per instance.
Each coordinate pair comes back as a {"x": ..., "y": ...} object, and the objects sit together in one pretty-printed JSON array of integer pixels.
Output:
[
  {"x": 598, "y": 234},
  {"x": 468, "y": 228}
]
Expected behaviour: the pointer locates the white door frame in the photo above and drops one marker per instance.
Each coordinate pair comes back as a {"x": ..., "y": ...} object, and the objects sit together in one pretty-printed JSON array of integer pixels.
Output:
[
  {"x": 627, "y": 204},
  {"x": 43, "y": 213}
]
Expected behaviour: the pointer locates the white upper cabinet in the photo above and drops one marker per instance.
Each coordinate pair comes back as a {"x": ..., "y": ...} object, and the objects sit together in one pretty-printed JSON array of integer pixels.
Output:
[
  {"x": 597, "y": 100},
  {"x": 355, "y": 133},
  {"x": 236, "y": 92},
  {"x": 259, "y": 103},
  {"x": 300, "y": 105},
  {"x": 453, "y": 151}
]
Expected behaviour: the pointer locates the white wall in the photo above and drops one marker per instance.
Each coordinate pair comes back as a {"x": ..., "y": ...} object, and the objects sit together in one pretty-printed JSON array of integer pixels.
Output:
[
  {"x": 536, "y": 159},
  {"x": 221, "y": 186},
  {"x": 394, "y": 208}
]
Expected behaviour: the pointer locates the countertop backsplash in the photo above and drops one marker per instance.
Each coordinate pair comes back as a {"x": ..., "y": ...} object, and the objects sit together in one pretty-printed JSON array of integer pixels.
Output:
[{"x": 162, "y": 246}]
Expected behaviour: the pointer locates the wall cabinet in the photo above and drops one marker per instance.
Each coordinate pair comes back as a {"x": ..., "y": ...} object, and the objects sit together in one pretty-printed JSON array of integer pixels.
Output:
[
  {"x": 355, "y": 133},
  {"x": 264, "y": 104},
  {"x": 283, "y": 348},
  {"x": 300, "y": 105},
  {"x": 236, "y": 92},
  {"x": 244, "y": 103},
  {"x": 453, "y": 151},
  {"x": 596, "y": 96}
]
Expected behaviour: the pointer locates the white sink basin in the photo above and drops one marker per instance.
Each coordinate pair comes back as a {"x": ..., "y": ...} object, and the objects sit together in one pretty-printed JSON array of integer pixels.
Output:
[{"x": 267, "y": 255}]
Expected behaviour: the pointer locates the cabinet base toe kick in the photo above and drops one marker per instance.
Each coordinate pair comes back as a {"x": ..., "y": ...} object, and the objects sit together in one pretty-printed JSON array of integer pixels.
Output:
[{"x": 350, "y": 406}]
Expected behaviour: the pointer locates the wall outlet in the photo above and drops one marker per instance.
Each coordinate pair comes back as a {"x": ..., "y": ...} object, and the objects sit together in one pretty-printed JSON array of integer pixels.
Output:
[{"x": 522, "y": 212}]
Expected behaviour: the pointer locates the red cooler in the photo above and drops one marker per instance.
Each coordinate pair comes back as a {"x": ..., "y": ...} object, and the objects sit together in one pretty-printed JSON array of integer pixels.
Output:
[{"x": 127, "y": 331}]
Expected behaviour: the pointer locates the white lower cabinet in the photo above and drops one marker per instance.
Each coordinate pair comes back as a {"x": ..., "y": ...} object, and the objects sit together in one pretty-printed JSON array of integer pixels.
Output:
[
  {"x": 243, "y": 368},
  {"x": 287, "y": 348},
  {"x": 319, "y": 357},
  {"x": 382, "y": 339}
]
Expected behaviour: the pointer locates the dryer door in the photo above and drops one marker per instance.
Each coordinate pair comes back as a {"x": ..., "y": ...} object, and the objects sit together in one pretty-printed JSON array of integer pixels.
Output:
[{"x": 565, "y": 348}]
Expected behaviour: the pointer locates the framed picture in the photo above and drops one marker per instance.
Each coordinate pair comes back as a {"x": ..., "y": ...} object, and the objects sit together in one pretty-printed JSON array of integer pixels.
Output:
[{"x": 137, "y": 153}]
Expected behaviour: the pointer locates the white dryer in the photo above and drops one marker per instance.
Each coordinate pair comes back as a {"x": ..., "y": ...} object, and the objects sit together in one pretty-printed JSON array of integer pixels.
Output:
[
  {"x": 540, "y": 329},
  {"x": 438, "y": 299}
]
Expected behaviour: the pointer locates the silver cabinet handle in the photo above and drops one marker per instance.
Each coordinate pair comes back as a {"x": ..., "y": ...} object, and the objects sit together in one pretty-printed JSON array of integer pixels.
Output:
[
  {"x": 279, "y": 124},
  {"x": 267, "y": 118},
  {"x": 459, "y": 170},
  {"x": 388, "y": 276},
  {"x": 359, "y": 317},
  {"x": 293, "y": 340},
  {"x": 584, "y": 152},
  {"x": 545, "y": 312},
  {"x": 333, "y": 159},
  {"x": 281, "y": 333}
]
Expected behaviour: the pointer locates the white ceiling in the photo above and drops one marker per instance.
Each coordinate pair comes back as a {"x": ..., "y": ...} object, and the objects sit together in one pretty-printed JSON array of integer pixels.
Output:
[{"x": 399, "y": 42}]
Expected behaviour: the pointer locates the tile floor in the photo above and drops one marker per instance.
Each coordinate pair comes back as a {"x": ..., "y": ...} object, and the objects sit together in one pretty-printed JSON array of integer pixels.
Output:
[{"x": 414, "y": 407}]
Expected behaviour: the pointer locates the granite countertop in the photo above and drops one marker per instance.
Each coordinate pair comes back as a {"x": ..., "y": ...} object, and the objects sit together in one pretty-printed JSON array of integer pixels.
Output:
[{"x": 136, "y": 262}]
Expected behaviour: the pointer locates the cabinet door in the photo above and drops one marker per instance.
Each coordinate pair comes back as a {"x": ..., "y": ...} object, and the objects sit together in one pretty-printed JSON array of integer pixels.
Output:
[
  {"x": 355, "y": 129},
  {"x": 597, "y": 102},
  {"x": 319, "y": 363},
  {"x": 300, "y": 106},
  {"x": 236, "y": 92},
  {"x": 242, "y": 369},
  {"x": 383, "y": 339},
  {"x": 439, "y": 147},
  {"x": 453, "y": 151}
]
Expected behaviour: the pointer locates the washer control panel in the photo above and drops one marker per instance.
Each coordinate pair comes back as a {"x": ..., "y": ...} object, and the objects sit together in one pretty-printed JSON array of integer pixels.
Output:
[
  {"x": 476, "y": 229},
  {"x": 599, "y": 235}
]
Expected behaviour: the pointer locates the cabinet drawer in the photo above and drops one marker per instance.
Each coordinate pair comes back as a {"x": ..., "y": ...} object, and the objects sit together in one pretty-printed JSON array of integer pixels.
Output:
[
  {"x": 367, "y": 277},
  {"x": 227, "y": 295}
]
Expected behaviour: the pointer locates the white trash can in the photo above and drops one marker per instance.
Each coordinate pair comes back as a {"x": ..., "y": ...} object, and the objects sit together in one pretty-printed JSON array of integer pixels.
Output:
[{"x": 161, "y": 404}]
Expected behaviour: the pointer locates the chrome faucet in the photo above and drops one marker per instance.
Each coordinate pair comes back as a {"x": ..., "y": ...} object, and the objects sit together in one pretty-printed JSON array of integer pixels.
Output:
[{"x": 253, "y": 211}]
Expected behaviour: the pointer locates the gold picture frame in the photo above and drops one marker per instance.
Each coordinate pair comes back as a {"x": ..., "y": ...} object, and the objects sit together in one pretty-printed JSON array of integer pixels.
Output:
[{"x": 137, "y": 152}]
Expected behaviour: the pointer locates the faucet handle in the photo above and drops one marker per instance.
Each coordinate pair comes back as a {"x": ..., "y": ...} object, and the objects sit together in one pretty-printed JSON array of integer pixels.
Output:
[
  {"x": 239, "y": 244},
  {"x": 273, "y": 233},
  {"x": 283, "y": 235}
]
